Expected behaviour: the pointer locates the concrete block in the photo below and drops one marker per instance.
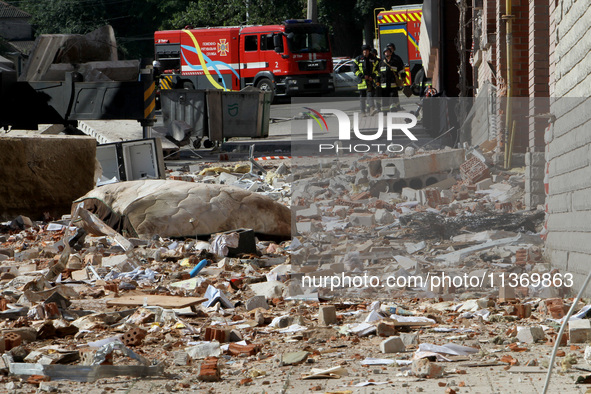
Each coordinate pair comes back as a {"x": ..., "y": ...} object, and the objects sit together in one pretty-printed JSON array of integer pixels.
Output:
[
  {"x": 530, "y": 334},
  {"x": 327, "y": 315},
  {"x": 423, "y": 164},
  {"x": 93, "y": 259},
  {"x": 113, "y": 261},
  {"x": 506, "y": 293},
  {"x": 447, "y": 194},
  {"x": 389, "y": 197},
  {"x": 362, "y": 219},
  {"x": 579, "y": 331},
  {"x": 27, "y": 254},
  {"x": 392, "y": 345},
  {"x": 181, "y": 358},
  {"x": 382, "y": 216},
  {"x": 272, "y": 289},
  {"x": 410, "y": 194},
  {"x": 44, "y": 174},
  {"x": 581, "y": 200},
  {"x": 409, "y": 338},
  {"x": 74, "y": 262},
  {"x": 535, "y": 159},
  {"x": 423, "y": 368},
  {"x": 227, "y": 179},
  {"x": 312, "y": 211},
  {"x": 203, "y": 350},
  {"x": 535, "y": 173},
  {"x": 255, "y": 302},
  {"x": 444, "y": 184},
  {"x": 305, "y": 227},
  {"x": 484, "y": 184}
]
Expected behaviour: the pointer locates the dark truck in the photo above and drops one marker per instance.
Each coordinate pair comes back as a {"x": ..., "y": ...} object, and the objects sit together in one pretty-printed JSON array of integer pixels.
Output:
[{"x": 76, "y": 77}]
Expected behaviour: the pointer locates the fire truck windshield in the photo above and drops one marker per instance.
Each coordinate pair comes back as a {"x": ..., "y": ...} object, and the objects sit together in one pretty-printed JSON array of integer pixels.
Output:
[{"x": 307, "y": 40}]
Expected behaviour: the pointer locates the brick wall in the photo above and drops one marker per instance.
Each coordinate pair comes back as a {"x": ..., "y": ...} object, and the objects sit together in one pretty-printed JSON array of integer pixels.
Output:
[
  {"x": 539, "y": 102},
  {"x": 569, "y": 140}
]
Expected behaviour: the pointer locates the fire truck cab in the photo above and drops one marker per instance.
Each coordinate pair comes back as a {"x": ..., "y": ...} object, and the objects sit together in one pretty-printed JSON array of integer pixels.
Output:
[{"x": 290, "y": 59}]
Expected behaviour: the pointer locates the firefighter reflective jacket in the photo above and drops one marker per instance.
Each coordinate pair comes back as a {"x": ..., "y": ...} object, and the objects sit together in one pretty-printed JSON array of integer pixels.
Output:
[
  {"x": 389, "y": 69},
  {"x": 365, "y": 66}
]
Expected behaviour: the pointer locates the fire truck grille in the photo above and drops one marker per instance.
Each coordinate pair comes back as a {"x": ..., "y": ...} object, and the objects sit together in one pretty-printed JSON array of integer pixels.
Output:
[{"x": 312, "y": 65}]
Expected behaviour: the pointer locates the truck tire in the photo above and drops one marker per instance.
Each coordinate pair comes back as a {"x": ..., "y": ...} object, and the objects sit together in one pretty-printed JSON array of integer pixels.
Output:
[
  {"x": 266, "y": 85},
  {"x": 188, "y": 85}
]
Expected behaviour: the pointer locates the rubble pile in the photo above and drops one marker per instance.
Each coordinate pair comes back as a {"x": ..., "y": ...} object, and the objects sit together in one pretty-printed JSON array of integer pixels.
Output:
[{"x": 85, "y": 308}]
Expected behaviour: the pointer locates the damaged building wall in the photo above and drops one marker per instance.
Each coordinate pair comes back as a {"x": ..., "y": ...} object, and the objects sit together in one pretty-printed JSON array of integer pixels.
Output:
[
  {"x": 569, "y": 141},
  {"x": 44, "y": 174},
  {"x": 531, "y": 52}
]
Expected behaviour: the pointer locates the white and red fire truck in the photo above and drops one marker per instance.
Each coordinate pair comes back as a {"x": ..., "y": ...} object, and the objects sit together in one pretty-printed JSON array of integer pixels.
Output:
[{"x": 293, "y": 58}]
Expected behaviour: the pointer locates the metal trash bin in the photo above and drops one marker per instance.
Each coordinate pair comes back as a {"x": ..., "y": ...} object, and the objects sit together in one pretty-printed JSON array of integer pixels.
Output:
[
  {"x": 243, "y": 114},
  {"x": 184, "y": 114}
]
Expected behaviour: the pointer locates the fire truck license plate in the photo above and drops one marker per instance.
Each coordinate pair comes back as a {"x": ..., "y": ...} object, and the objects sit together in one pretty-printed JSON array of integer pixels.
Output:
[{"x": 314, "y": 81}]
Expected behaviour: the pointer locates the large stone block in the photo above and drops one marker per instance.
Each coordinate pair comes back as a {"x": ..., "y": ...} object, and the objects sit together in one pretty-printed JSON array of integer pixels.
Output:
[
  {"x": 44, "y": 174},
  {"x": 423, "y": 164}
]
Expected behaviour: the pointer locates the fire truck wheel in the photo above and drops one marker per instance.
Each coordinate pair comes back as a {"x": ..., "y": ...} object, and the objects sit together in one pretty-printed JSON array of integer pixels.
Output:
[
  {"x": 188, "y": 85},
  {"x": 207, "y": 143},
  {"x": 266, "y": 85}
]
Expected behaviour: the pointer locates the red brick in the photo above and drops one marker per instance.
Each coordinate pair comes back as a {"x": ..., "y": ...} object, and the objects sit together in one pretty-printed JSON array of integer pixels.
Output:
[
  {"x": 209, "y": 371},
  {"x": 473, "y": 170},
  {"x": 12, "y": 340},
  {"x": 134, "y": 337},
  {"x": 36, "y": 379},
  {"x": 52, "y": 311},
  {"x": 243, "y": 350},
  {"x": 217, "y": 334},
  {"x": 503, "y": 206},
  {"x": 433, "y": 197}
]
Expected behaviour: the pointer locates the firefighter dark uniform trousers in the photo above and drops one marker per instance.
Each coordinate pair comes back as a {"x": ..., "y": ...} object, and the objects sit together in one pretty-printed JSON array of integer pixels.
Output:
[
  {"x": 390, "y": 68},
  {"x": 367, "y": 71}
]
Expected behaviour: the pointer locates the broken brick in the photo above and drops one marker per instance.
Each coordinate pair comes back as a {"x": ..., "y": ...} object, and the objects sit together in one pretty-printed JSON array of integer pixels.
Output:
[
  {"x": 134, "y": 336},
  {"x": 209, "y": 371},
  {"x": 243, "y": 350},
  {"x": 37, "y": 379},
  {"x": 217, "y": 334}
]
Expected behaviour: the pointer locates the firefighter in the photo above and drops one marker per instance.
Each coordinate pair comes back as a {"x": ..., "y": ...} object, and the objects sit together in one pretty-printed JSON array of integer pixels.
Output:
[
  {"x": 378, "y": 93},
  {"x": 391, "y": 75},
  {"x": 367, "y": 71}
]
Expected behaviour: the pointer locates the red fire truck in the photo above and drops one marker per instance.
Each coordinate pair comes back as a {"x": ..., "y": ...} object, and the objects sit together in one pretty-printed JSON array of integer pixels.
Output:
[
  {"x": 290, "y": 59},
  {"x": 401, "y": 25}
]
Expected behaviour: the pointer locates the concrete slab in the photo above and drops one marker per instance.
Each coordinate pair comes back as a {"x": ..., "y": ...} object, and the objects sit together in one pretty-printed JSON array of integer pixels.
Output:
[{"x": 423, "y": 164}]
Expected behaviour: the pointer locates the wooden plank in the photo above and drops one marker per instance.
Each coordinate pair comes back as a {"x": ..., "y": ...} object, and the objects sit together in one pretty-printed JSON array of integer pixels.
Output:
[{"x": 156, "y": 300}]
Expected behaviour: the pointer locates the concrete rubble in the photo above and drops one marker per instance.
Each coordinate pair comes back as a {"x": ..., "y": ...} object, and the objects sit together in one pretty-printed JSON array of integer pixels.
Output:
[{"x": 80, "y": 309}]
